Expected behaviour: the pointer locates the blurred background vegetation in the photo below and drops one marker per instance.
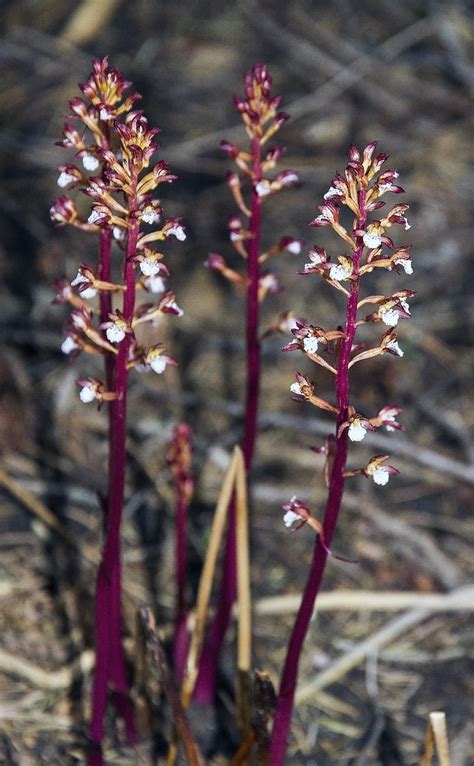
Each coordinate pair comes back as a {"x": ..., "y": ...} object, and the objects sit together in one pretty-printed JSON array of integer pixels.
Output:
[{"x": 349, "y": 72}]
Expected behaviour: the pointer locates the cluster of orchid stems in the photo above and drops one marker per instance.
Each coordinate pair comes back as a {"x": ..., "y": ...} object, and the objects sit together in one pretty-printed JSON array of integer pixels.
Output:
[
  {"x": 179, "y": 459},
  {"x": 367, "y": 248},
  {"x": 114, "y": 146},
  {"x": 262, "y": 120}
]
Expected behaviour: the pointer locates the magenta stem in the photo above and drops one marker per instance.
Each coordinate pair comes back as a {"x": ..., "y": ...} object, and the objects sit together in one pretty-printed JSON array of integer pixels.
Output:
[
  {"x": 206, "y": 683},
  {"x": 282, "y": 719},
  {"x": 181, "y": 514},
  {"x": 110, "y": 670}
]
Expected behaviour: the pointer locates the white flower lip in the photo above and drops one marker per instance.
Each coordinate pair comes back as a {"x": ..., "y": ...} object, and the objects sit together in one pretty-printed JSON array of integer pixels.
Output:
[
  {"x": 65, "y": 179},
  {"x": 295, "y": 388},
  {"x": 158, "y": 364},
  {"x": 356, "y": 431},
  {"x": 150, "y": 216},
  {"x": 310, "y": 345},
  {"x": 294, "y": 247},
  {"x": 90, "y": 162},
  {"x": 87, "y": 394},
  {"x": 119, "y": 233},
  {"x": 389, "y": 316},
  {"x": 115, "y": 334},
  {"x": 94, "y": 216},
  {"x": 68, "y": 345},
  {"x": 88, "y": 293},
  {"x": 149, "y": 267},
  {"x": 263, "y": 189},
  {"x": 178, "y": 232},
  {"x": 393, "y": 346},
  {"x": 333, "y": 192},
  {"x": 380, "y": 476},
  {"x": 371, "y": 239},
  {"x": 406, "y": 265},
  {"x": 291, "y": 518},
  {"x": 337, "y": 272}
]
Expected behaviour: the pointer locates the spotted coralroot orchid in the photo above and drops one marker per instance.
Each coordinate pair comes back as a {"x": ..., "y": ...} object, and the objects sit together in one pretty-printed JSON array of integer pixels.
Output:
[
  {"x": 366, "y": 247},
  {"x": 114, "y": 146},
  {"x": 179, "y": 460},
  {"x": 255, "y": 166}
]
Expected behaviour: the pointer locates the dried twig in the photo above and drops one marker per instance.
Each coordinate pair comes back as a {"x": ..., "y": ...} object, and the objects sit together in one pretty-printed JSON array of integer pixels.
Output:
[
  {"x": 159, "y": 667},
  {"x": 436, "y": 740},
  {"x": 461, "y": 600},
  {"x": 50, "y": 680}
]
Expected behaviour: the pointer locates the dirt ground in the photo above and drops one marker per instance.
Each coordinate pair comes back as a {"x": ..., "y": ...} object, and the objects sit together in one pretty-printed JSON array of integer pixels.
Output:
[{"x": 349, "y": 72}]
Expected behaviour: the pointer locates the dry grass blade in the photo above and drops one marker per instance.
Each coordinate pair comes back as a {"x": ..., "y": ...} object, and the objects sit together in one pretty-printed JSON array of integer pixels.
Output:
[
  {"x": 361, "y": 600},
  {"x": 159, "y": 666},
  {"x": 436, "y": 740},
  {"x": 205, "y": 583},
  {"x": 244, "y": 602},
  {"x": 45, "y": 679},
  {"x": 88, "y": 20}
]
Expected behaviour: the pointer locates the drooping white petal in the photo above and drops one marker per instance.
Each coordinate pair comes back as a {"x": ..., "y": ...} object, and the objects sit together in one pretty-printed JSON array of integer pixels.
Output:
[
  {"x": 68, "y": 345},
  {"x": 310, "y": 344},
  {"x": 389, "y": 316},
  {"x": 371, "y": 239},
  {"x": 380, "y": 476},
  {"x": 158, "y": 364},
  {"x": 87, "y": 394},
  {"x": 151, "y": 216},
  {"x": 406, "y": 265},
  {"x": 88, "y": 293},
  {"x": 356, "y": 431},
  {"x": 178, "y": 232},
  {"x": 65, "y": 179},
  {"x": 94, "y": 216},
  {"x": 90, "y": 162},
  {"x": 115, "y": 334},
  {"x": 295, "y": 388},
  {"x": 290, "y": 519},
  {"x": 149, "y": 267},
  {"x": 393, "y": 346}
]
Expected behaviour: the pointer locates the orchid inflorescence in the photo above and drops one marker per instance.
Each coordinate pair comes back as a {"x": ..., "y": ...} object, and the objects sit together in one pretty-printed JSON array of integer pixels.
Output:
[
  {"x": 360, "y": 190},
  {"x": 367, "y": 247},
  {"x": 262, "y": 120},
  {"x": 115, "y": 147}
]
